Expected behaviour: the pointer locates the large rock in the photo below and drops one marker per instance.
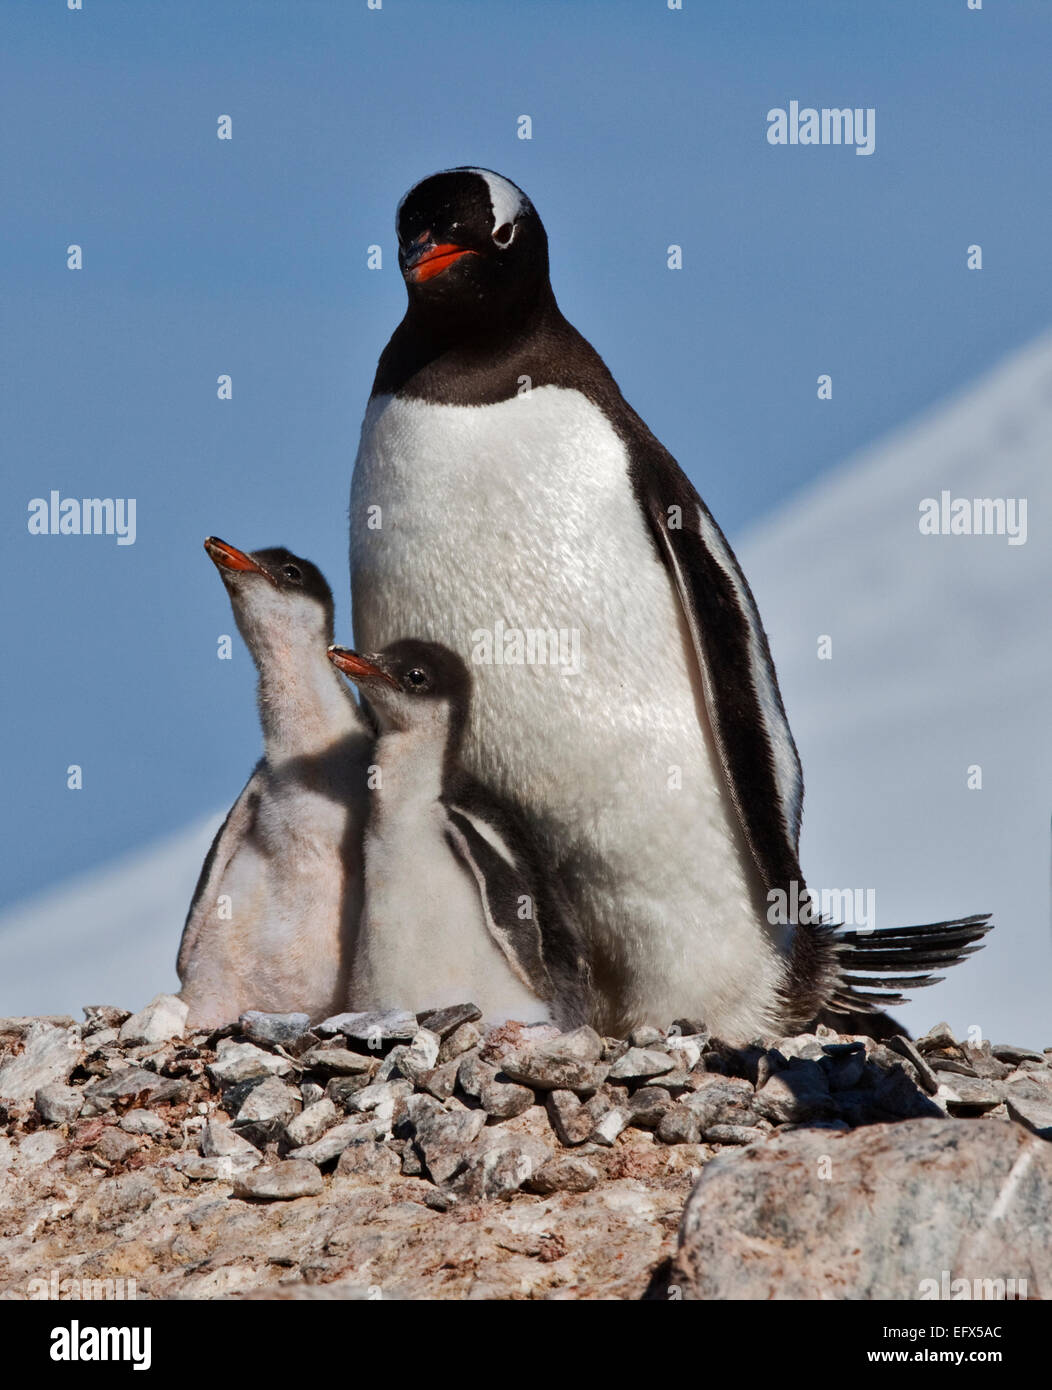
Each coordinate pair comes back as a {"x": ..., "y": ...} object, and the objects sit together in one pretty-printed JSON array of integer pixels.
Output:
[
  {"x": 48, "y": 1056},
  {"x": 566, "y": 1063},
  {"x": 443, "y": 1137},
  {"x": 894, "y": 1211},
  {"x": 333, "y": 1142},
  {"x": 421, "y": 1056},
  {"x": 337, "y": 1061},
  {"x": 639, "y": 1064},
  {"x": 1031, "y": 1111},
  {"x": 280, "y": 1182},
  {"x": 129, "y": 1083},
  {"x": 311, "y": 1124},
  {"x": 267, "y": 1109},
  {"x": 373, "y": 1028},
  {"x": 220, "y": 1141},
  {"x": 446, "y": 1021},
  {"x": 163, "y": 1017},
  {"x": 500, "y": 1162},
  {"x": 58, "y": 1104},
  {"x": 242, "y": 1061},
  {"x": 274, "y": 1030}
]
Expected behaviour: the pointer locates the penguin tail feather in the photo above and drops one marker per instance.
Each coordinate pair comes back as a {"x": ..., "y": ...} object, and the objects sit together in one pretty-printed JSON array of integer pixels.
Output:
[{"x": 872, "y": 968}]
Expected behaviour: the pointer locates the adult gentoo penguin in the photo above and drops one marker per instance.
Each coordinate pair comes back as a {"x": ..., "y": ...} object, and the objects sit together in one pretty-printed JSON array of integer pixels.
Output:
[
  {"x": 503, "y": 482},
  {"x": 458, "y": 902},
  {"x": 272, "y": 920}
]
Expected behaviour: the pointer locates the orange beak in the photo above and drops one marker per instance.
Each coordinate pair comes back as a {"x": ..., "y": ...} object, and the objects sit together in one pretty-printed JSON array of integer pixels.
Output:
[
  {"x": 434, "y": 260},
  {"x": 227, "y": 557},
  {"x": 360, "y": 669}
]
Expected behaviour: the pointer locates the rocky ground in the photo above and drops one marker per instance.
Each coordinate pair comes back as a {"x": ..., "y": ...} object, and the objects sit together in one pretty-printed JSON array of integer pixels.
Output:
[{"x": 394, "y": 1156}]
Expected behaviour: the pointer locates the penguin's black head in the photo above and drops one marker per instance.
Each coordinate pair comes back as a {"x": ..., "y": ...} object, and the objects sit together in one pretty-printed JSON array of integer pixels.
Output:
[
  {"x": 470, "y": 246},
  {"x": 411, "y": 684},
  {"x": 276, "y": 596},
  {"x": 294, "y": 574}
]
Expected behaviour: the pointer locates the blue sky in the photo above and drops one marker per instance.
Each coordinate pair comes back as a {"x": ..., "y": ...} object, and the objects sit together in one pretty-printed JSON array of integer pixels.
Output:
[{"x": 248, "y": 257}]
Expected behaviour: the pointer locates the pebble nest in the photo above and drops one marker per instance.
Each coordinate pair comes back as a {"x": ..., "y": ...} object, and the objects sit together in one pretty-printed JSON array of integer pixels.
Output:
[{"x": 273, "y": 1106}]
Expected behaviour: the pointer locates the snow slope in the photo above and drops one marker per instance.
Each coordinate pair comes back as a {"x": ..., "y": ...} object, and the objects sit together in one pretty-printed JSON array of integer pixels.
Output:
[
  {"x": 941, "y": 660},
  {"x": 109, "y": 937}
]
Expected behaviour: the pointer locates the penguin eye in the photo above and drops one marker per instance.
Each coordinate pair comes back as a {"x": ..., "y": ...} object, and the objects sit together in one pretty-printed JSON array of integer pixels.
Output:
[
  {"x": 291, "y": 572},
  {"x": 417, "y": 678},
  {"x": 503, "y": 235}
]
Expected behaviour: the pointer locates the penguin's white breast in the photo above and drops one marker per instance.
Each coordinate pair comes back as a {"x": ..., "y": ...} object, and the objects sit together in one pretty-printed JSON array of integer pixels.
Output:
[{"x": 523, "y": 514}]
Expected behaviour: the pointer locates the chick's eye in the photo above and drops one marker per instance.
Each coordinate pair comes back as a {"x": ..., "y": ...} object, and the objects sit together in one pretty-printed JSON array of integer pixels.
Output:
[
  {"x": 417, "y": 678},
  {"x": 503, "y": 235},
  {"x": 291, "y": 572}
]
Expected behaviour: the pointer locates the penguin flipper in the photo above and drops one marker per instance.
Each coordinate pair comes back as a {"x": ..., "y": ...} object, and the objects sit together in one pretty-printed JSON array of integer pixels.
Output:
[
  {"x": 502, "y": 888},
  {"x": 758, "y": 756},
  {"x": 232, "y": 833}
]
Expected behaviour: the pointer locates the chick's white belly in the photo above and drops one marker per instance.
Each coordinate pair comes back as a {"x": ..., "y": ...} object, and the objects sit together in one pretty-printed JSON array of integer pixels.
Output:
[
  {"x": 275, "y": 928},
  {"x": 423, "y": 941},
  {"x": 463, "y": 518}
]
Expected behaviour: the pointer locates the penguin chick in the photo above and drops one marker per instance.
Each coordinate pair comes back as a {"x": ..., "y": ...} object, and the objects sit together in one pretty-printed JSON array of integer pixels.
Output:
[
  {"x": 272, "y": 920},
  {"x": 458, "y": 905}
]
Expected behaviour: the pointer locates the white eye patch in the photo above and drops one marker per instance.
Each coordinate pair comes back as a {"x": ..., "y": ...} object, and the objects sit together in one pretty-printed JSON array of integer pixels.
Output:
[{"x": 505, "y": 200}]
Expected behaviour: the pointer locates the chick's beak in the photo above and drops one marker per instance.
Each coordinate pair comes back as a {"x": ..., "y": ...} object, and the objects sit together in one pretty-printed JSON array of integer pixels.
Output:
[
  {"x": 228, "y": 557},
  {"x": 361, "y": 669}
]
